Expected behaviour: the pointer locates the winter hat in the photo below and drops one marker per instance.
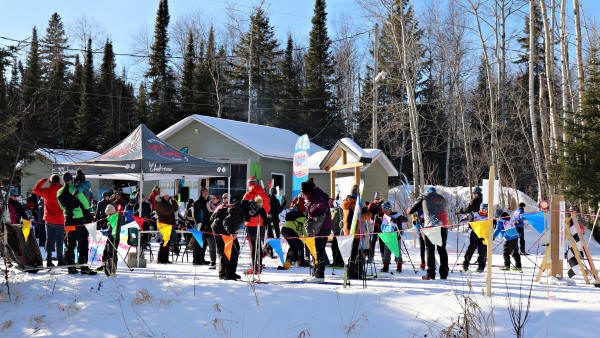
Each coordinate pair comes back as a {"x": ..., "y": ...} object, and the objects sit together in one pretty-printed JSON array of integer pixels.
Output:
[
  {"x": 307, "y": 187},
  {"x": 79, "y": 176},
  {"x": 110, "y": 209},
  {"x": 67, "y": 177},
  {"x": 225, "y": 196},
  {"x": 430, "y": 190},
  {"x": 252, "y": 180},
  {"x": 477, "y": 190},
  {"x": 54, "y": 178},
  {"x": 387, "y": 206},
  {"x": 377, "y": 195}
]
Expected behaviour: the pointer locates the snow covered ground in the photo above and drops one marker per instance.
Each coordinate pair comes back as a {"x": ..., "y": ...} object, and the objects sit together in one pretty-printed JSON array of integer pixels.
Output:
[{"x": 181, "y": 300}]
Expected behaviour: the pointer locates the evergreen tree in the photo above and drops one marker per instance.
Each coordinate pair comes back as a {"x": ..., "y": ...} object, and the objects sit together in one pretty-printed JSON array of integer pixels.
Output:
[
  {"x": 289, "y": 94},
  {"x": 363, "y": 118},
  {"x": 160, "y": 74},
  {"x": 14, "y": 88},
  {"x": 186, "y": 91},
  {"x": 4, "y": 62},
  {"x": 142, "y": 110},
  {"x": 58, "y": 110},
  {"x": 32, "y": 90},
  {"x": 319, "y": 104},
  {"x": 201, "y": 83},
  {"x": 87, "y": 135},
  {"x": 259, "y": 49},
  {"x": 107, "y": 98},
  {"x": 581, "y": 170}
]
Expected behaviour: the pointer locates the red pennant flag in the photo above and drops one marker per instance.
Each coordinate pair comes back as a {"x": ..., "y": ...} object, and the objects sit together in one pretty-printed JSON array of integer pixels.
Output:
[{"x": 139, "y": 221}]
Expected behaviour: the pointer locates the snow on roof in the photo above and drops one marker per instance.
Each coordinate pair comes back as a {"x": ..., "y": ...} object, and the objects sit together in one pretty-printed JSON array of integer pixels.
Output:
[
  {"x": 60, "y": 156},
  {"x": 265, "y": 141},
  {"x": 355, "y": 154}
]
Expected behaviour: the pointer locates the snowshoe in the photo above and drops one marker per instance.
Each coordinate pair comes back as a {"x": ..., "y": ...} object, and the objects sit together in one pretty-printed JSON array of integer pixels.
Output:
[
  {"x": 480, "y": 270},
  {"x": 506, "y": 268},
  {"x": 517, "y": 269}
]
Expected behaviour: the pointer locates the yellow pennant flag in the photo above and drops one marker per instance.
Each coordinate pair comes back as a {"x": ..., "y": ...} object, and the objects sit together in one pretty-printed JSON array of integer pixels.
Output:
[
  {"x": 310, "y": 244},
  {"x": 228, "y": 245},
  {"x": 165, "y": 230},
  {"x": 481, "y": 229},
  {"x": 26, "y": 228}
]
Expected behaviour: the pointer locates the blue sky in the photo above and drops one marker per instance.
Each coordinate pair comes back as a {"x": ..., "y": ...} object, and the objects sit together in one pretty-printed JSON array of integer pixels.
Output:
[{"x": 123, "y": 20}]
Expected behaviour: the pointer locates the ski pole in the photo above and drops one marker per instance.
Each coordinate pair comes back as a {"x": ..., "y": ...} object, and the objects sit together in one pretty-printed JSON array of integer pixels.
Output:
[
  {"x": 119, "y": 254},
  {"x": 458, "y": 256},
  {"x": 408, "y": 255}
]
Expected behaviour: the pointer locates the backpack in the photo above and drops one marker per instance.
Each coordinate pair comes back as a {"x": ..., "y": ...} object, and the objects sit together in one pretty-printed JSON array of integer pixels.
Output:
[{"x": 68, "y": 201}]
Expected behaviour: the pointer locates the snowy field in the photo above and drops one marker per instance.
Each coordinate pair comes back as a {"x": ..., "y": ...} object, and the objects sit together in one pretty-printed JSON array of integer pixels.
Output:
[{"x": 181, "y": 300}]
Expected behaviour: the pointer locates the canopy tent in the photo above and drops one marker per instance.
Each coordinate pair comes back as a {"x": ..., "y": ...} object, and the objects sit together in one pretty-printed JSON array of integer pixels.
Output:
[{"x": 143, "y": 156}]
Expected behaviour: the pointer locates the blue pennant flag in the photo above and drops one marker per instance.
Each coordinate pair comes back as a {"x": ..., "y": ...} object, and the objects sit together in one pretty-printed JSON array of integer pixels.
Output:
[
  {"x": 198, "y": 236},
  {"x": 536, "y": 220},
  {"x": 275, "y": 243}
]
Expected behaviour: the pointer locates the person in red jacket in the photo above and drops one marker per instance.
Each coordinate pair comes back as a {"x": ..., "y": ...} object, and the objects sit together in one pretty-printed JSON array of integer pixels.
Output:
[
  {"x": 256, "y": 223},
  {"x": 53, "y": 216}
]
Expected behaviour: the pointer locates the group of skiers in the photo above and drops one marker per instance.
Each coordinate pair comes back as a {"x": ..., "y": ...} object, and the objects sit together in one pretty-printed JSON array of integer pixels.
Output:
[{"x": 310, "y": 214}]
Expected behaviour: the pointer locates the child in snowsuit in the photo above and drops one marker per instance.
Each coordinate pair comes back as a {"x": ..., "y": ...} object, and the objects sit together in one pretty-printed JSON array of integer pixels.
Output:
[
  {"x": 110, "y": 255},
  {"x": 291, "y": 230},
  {"x": 506, "y": 227},
  {"x": 391, "y": 222}
]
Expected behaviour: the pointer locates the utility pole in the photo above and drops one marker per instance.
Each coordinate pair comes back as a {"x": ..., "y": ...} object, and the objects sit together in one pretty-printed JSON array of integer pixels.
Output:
[
  {"x": 375, "y": 90},
  {"x": 250, "y": 74}
]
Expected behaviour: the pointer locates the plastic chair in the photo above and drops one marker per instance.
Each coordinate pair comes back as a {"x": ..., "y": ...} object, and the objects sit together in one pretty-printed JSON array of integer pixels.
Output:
[{"x": 132, "y": 240}]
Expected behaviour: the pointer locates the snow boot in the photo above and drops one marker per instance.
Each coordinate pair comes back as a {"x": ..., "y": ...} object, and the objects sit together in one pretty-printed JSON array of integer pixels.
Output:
[
  {"x": 87, "y": 271},
  {"x": 423, "y": 266},
  {"x": 286, "y": 266},
  {"x": 49, "y": 263},
  {"x": 427, "y": 278},
  {"x": 399, "y": 267},
  {"x": 314, "y": 279},
  {"x": 386, "y": 267},
  {"x": 506, "y": 268},
  {"x": 304, "y": 263}
]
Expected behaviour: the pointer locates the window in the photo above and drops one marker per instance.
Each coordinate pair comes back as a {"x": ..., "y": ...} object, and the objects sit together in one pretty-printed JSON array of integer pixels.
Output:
[
  {"x": 279, "y": 181},
  {"x": 218, "y": 185}
]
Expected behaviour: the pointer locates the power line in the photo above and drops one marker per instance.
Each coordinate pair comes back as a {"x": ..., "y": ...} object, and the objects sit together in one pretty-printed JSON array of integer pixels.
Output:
[{"x": 147, "y": 56}]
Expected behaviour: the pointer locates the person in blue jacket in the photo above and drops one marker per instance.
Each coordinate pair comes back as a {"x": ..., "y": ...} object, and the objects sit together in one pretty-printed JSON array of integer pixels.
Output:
[{"x": 506, "y": 226}]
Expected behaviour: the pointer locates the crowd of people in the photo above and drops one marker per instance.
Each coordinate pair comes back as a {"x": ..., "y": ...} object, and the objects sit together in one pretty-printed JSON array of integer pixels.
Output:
[{"x": 66, "y": 206}]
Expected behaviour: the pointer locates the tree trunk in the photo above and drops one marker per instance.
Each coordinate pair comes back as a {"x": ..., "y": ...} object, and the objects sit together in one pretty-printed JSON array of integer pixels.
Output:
[
  {"x": 549, "y": 62},
  {"x": 580, "y": 78},
  {"x": 565, "y": 73},
  {"x": 532, "y": 115}
]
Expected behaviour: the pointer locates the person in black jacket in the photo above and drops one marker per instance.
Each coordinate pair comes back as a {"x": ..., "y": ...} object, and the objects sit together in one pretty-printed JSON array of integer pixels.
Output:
[
  {"x": 475, "y": 243},
  {"x": 274, "y": 214},
  {"x": 227, "y": 220},
  {"x": 101, "y": 209},
  {"x": 202, "y": 217}
]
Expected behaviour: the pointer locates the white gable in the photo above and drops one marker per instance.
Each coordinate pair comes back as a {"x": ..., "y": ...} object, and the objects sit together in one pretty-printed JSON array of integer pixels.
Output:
[{"x": 265, "y": 141}]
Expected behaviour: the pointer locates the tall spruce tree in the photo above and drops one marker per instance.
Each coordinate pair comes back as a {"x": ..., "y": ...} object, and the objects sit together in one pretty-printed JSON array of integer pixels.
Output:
[
  {"x": 32, "y": 87},
  {"x": 87, "y": 135},
  {"x": 581, "y": 170},
  {"x": 108, "y": 98},
  {"x": 4, "y": 62},
  {"x": 58, "y": 110},
  {"x": 160, "y": 74},
  {"x": 186, "y": 91},
  {"x": 142, "y": 110},
  {"x": 258, "y": 49},
  {"x": 319, "y": 105},
  {"x": 289, "y": 95}
]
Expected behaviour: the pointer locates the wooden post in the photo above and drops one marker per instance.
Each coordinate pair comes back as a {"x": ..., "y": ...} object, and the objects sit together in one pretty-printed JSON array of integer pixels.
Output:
[
  {"x": 332, "y": 183},
  {"x": 489, "y": 240},
  {"x": 556, "y": 263},
  {"x": 357, "y": 175},
  {"x": 344, "y": 157}
]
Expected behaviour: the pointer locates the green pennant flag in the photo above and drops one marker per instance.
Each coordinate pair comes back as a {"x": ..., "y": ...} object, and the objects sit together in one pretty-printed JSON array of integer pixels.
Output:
[
  {"x": 113, "y": 220},
  {"x": 391, "y": 241}
]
